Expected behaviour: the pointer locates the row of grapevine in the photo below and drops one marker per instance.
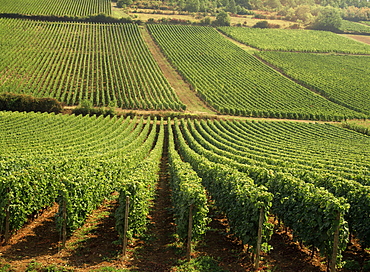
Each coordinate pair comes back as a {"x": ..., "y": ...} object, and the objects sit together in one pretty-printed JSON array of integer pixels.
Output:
[
  {"x": 78, "y": 181},
  {"x": 234, "y": 194},
  {"x": 312, "y": 212},
  {"x": 282, "y": 145},
  {"x": 60, "y": 8},
  {"x": 139, "y": 185},
  {"x": 342, "y": 79},
  {"x": 219, "y": 140},
  {"x": 354, "y": 27},
  {"x": 187, "y": 191},
  {"x": 295, "y": 171},
  {"x": 83, "y": 192},
  {"x": 222, "y": 141},
  {"x": 107, "y": 64},
  {"x": 234, "y": 82},
  {"x": 295, "y": 40}
]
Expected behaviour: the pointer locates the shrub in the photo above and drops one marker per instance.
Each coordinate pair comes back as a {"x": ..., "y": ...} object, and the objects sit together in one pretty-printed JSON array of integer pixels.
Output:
[
  {"x": 261, "y": 24},
  {"x": 86, "y": 108},
  {"x": 23, "y": 102}
]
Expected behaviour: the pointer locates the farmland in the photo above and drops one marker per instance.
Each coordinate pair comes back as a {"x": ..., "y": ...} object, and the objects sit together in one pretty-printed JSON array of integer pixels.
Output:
[
  {"x": 191, "y": 151},
  {"x": 340, "y": 78},
  {"x": 295, "y": 40},
  {"x": 353, "y": 27},
  {"x": 59, "y": 8},
  {"x": 265, "y": 164},
  {"x": 234, "y": 82},
  {"x": 83, "y": 62}
]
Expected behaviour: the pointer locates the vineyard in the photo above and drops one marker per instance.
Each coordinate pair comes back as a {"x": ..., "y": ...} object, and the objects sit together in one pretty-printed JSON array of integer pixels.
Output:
[
  {"x": 312, "y": 177},
  {"x": 340, "y": 78},
  {"x": 333, "y": 172},
  {"x": 295, "y": 40},
  {"x": 79, "y": 162},
  {"x": 107, "y": 64},
  {"x": 182, "y": 185},
  {"x": 236, "y": 83},
  {"x": 59, "y": 8},
  {"x": 353, "y": 27}
]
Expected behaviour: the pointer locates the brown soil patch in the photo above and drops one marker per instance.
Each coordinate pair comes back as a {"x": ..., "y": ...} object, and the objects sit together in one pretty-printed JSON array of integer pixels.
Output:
[
  {"x": 187, "y": 96},
  {"x": 361, "y": 38},
  {"x": 156, "y": 253},
  {"x": 92, "y": 246},
  {"x": 38, "y": 241}
]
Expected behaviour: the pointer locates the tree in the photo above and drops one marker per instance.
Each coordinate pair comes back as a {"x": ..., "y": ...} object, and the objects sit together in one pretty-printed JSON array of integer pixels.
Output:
[
  {"x": 273, "y": 4},
  {"x": 303, "y": 13},
  {"x": 261, "y": 24},
  {"x": 192, "y": 5},
  {"x": 205, "y": 21},
  {"x": 329, "y": 18},
  {"x": 123, "y": 3},
  {"x": 181, "y": 4},
  {"x": 222, "y": 19},
  {"x": 231, "y": 7}
]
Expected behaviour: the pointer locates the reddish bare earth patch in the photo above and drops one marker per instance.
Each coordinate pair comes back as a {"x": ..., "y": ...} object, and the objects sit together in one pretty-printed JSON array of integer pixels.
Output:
[{"x": 361, "y": 38}]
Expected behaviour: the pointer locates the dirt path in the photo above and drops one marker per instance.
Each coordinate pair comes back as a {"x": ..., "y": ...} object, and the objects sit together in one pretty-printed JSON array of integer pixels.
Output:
[
  {"x": 239, "y": 44},
  {"x": 156, "y": 253},
  {"x": 187, "y": 96}
]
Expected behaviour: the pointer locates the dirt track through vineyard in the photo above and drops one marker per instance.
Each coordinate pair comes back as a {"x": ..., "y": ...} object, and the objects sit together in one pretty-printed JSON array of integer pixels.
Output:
[{"x": 187, "y": 96}]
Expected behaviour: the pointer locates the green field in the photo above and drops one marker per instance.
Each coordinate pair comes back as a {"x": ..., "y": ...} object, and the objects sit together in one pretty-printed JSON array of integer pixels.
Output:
[
  {"x": 295, "y": 40},
  {"x": 235, "y": 180},
  {"x": 290, "y": 169},
  {"x": 353, "y": 27},
  {"x": 342, "y": 79},
  {"x": 235, "y": 82},
  {"x": 78, "y": 161},
  {"x": 60, "y": 8},
  {"x": 309, "y": 169},
  {"x": 294, "y": 161},
  {"x": 107, "y": 64}
]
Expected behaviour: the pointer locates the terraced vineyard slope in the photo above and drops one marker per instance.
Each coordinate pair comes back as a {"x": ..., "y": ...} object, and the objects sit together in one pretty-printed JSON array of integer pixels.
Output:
[
  {"x": 354, "y": 27},
  {"x": 234, "y": 82},
  {"x": 60, "y": 8},
  {"x": 343, "y": 79},
  {"x": 295, "y": 40},
  {"x": 107, "y": 64}
]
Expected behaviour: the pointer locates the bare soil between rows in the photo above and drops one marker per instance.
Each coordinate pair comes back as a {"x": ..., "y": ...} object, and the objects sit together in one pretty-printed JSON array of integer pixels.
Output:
[
  {"x": 96, "y": 245},
  {"x": 38, "y": 242}
]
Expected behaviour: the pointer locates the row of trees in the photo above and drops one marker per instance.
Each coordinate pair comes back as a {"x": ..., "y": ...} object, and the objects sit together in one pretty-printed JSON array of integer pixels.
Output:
[{"x": 241, "y": 6}]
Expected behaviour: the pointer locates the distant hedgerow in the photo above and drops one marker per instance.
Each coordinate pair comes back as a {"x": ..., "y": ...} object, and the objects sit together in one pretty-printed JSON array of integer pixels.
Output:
[{"x": 22, "y": 102}]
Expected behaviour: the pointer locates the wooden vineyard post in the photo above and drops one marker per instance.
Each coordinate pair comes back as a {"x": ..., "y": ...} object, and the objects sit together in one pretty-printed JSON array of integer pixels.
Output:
[
  {"x": 7, "y": 225},
  {"x": 7, "y": 219},
  {"x": 333, "y": 262},
  {"x": 64, "y": 227},
  {"x": 259, "y": 239},
  {"x": 190, "y": 230},
  {"x": 125, "y": 227}
]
